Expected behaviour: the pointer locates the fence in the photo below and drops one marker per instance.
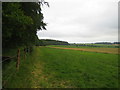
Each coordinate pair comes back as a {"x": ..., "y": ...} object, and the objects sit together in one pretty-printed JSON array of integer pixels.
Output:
[
  {"x": 8, "y": 59},
  {"x": 16, "y": 58}
]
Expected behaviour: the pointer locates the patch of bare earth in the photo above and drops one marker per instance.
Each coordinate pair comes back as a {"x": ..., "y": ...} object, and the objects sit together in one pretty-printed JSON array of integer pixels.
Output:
[{"x": 100, "y": 50}]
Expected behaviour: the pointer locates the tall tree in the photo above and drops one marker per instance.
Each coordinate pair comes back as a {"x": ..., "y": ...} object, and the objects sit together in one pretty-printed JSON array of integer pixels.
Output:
[{"x": 21, "y": 20}]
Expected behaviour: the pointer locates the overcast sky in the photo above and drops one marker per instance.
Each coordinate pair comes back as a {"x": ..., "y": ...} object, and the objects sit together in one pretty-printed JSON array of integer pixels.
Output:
[{"x": 79, "y": 21}]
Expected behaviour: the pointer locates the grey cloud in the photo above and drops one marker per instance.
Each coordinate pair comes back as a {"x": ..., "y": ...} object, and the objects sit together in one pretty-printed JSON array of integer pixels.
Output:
[{"x": 81, "y": 20}]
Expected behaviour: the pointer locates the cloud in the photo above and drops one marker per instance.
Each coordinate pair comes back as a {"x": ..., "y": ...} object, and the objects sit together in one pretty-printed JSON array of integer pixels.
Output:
[{"x": 81, "y": 20}]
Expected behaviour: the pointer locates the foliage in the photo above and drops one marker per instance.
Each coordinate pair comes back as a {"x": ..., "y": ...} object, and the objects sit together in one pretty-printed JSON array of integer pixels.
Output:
[
  {"x": 44, "y": 42},
  {"x": 21, "y": 21}
]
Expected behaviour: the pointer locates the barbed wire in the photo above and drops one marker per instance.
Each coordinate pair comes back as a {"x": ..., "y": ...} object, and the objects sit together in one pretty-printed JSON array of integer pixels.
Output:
[
  {"x": 8, "y": 58},
  {"x": 23, "y": 52},
  {"x": 10, "y": 67}
]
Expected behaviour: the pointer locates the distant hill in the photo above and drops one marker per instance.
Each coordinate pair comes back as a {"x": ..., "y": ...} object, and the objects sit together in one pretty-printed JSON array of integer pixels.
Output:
[
  {"x": 103, "y": 43},
  {"x": 116, "y": 42},
  {"x": 44, "y": 42},
  {"x": 107, "y": 43}
]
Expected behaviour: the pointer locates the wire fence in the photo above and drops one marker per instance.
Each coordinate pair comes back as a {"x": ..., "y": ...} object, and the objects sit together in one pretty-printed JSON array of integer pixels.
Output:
[
  {"x": 8, "y": 58},
  {"x": 7, "y": 74}
]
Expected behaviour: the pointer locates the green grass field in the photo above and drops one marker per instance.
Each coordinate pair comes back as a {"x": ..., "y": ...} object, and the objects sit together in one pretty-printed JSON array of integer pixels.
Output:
[{"x": 59, "y": 68}]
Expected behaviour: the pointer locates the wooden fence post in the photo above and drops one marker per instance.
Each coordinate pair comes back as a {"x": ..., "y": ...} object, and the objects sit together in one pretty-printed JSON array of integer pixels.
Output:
[
  {"x": 18, "y": 59},
  {"x": 24, "y": 53}
]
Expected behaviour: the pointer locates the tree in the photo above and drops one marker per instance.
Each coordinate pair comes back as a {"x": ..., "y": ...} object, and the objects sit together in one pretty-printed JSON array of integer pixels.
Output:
[{"x": 20, "y": 22}]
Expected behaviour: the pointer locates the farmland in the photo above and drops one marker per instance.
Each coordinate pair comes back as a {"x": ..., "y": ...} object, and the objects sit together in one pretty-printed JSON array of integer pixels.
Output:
[
  {"x": 49, "y": 67},
  {"x": 100, "y": 50}
]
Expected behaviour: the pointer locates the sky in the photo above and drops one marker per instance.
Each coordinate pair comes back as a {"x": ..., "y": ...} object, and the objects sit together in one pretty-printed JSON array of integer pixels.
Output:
[{"x": 81, "y": 21}]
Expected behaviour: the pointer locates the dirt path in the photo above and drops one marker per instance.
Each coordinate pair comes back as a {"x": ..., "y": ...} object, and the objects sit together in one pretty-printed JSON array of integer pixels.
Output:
[{"x": 101, "y": 50}]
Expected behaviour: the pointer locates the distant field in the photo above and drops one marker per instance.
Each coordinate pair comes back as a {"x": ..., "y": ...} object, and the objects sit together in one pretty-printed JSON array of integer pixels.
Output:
[
  {"x": 89, "y": 46},
  {"x": 91, "y": 49},
  {"x": 64, "y": 68}
]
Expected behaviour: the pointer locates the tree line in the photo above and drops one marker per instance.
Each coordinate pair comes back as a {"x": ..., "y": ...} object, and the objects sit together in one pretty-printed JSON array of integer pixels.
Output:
[
  {"x": 107, "y": 43},
  {"x": 44, "y": 42},
  {"x": 20, "y": 23}
]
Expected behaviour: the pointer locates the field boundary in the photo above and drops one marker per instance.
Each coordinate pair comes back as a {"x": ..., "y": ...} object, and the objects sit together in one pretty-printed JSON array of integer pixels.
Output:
[
  {"x": 17, "y": 58},
  {"x": 98, "y": 50}
]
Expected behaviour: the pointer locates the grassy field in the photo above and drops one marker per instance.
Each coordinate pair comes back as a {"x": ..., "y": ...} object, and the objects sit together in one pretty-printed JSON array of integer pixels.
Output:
[{"x": 63, "y": 68}]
